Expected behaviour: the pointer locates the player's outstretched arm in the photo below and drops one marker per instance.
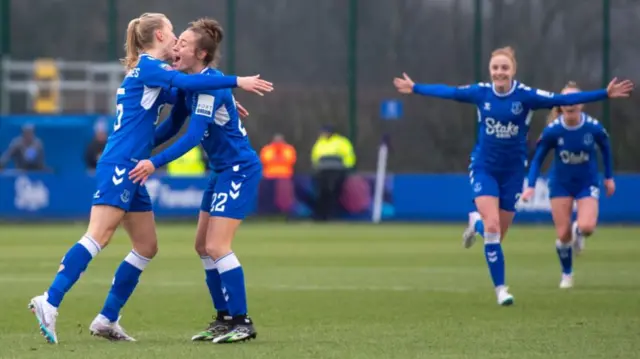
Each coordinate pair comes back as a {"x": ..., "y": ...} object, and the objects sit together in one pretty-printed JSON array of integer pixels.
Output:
[
  {"x": 616, "y": 89},
  {"x": 163, "y": 75},
  {"x": 462, "y": 94},
  {"x": 203, "y": 82}
]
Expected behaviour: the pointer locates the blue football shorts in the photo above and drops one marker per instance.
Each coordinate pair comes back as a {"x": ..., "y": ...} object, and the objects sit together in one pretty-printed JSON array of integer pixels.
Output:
[
  {"x": 233, "y": 193},
  {"x": 114, "y": 188}
]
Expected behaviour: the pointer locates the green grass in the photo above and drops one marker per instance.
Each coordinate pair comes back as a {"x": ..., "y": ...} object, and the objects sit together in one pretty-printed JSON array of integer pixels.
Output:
[{"x": 338, "y": 291}]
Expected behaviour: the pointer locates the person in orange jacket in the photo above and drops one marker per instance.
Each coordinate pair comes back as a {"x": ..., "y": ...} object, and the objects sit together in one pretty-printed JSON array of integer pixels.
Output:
[{"x": 278, "y": 159}]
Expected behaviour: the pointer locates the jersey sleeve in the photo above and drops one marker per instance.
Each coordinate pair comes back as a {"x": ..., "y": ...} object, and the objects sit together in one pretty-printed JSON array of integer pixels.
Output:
[
  {"x": 172, "y": 124},
  {"x": 174, "y": 95},
  {"x": 467, "y": 94},
  {"x": 545, "y": 143},
  {"x": 155, "y": 73},
  {"x": 602, "y": 139},
  {"x": 543, "y": 99},
  {"x": 201, "y": 117}
]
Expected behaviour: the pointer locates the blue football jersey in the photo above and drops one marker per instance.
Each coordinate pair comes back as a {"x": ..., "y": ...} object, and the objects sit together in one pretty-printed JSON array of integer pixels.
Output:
[
  {"x": 575, "y": 160},
  {"x": 225, "y": 140},
  {"x": 139, "y": 102},
  {"x": 214, "y": 124},
  {"x": 504, "y": 119}
]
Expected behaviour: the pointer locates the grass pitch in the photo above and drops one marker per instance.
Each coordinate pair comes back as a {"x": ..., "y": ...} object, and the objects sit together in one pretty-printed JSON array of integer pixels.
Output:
[{"x": 338, "y": 291}]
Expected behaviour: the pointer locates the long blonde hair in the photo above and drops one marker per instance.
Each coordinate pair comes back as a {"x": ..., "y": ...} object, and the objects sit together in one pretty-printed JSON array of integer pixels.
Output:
[
  {"x": 140, "y": 34},
  {"x": 557, "y": 111}
]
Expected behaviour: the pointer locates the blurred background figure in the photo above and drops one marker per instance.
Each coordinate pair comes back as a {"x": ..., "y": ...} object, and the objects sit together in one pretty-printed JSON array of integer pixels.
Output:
[
  {"x": 332, "y": 158},
  {"x": 25, "y": 151},
  {"x": 277, "y": 188},
  {"x": 278, "y": 159},
  {"x": 96, "y": 146},
  {"x": 192, "y": 164}
]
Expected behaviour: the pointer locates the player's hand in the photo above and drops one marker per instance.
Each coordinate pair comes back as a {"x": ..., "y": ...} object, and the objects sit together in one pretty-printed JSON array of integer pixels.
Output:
[
  {"x": 141, "y": 173},
  {"x": 255, "y": 84},
  {"x": 619, "y": 89},
  {"x": 404, "y": 84},
  {"x": 527, "y": 194},
  {"x": 610, "y": 186},
  {"x": 242, "y": 112}
]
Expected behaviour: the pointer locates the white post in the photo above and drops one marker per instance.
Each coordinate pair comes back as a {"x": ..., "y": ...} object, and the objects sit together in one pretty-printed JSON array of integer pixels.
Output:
[{"x": 378, "y": 193}]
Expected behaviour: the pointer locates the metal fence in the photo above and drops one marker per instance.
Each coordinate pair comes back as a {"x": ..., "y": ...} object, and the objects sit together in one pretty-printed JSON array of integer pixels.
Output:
[{"x": 333, "y": 61}]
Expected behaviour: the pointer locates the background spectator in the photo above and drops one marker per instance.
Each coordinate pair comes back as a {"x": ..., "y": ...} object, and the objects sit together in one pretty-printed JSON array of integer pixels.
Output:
[
  {"x": 278, "y": 158},
  {"x": 277, "y": 189},
  {"x": 191, "y": 164},
  {"x": 26, "y": 151},
  {"x": 332, "y": 157},
  {"x": 95, "y": 148}
]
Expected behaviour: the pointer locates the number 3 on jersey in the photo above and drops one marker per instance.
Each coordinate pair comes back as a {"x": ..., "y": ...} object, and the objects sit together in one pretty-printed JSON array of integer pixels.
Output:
[{"x": 119, "y": 113}]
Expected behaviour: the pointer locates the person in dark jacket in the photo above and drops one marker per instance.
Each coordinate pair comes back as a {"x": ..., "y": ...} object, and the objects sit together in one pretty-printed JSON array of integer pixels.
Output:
[
  {"x": 26, "y": 151},
  {"x": 95, "y": 148}
]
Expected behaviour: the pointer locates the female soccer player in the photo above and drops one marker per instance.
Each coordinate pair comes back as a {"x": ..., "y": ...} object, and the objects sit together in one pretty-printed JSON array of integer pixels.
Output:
[
  {"x": 143, "y": 92},
  {"x": 573, "y": 176},
  {"x": 231, "y": 193},
  {"x": 497, "y": 169}
]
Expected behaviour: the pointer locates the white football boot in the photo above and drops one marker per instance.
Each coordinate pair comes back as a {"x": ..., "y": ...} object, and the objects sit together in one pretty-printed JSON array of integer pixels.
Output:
[
  {"x": 469, "y": 235},
  {"x": 504, "y": 297},
  {"x": 46, "y": 314},
  {"x": 567, "y": 281},
  {"x": 102, "y": 327},
  {"x": 578, "y": 241}
]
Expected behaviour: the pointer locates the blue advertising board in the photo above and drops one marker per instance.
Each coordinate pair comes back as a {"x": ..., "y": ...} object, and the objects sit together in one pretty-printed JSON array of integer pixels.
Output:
[{"x": 406, "y": 197}]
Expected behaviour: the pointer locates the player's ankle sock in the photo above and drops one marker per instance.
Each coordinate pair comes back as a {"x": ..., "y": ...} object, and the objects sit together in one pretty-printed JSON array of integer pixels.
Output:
[
  {"x": 223, "y": 315},
  {"x": 232, "y": 277},
  {"x": 124, "y": 283},
  {"x": 212, "y": 277},
  {"x": 565, "y": 254},
  {"x": 241, "y": 319},
  {"x": 479, "y": 227},
  {"x": 74, "y": 262},
  {"x": 495, "y": 258}
]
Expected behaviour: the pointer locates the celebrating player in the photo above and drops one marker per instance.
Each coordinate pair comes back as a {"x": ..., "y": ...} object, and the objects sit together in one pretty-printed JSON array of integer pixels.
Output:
[
  {"x": 231, "y": 192},
  {"x": 497, "y": 169},
  {"x": 143, "y": 92},
  {"x": 573, "y": 176}
]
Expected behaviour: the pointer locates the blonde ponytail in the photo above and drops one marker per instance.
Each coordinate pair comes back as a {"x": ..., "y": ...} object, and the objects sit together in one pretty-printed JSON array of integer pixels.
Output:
[
  {"x": 132, "y": 46},
  {"x": 140, "y": 36},
  {"x": 555, "y": 113}
]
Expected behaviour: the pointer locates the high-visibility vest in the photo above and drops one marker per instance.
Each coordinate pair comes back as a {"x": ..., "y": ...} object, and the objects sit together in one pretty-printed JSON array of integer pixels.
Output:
[
  {"x": 189, "y": 165},
  {"x": 334, "y": 151},
  {"x": 278, "y": 159}
]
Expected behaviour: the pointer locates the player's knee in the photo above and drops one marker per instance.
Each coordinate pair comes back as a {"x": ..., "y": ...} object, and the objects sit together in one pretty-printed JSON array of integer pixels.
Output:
[
  {"x": 217, "y": 250},
  {"x": 564, "y": 235},
  {"x": 101, "y": 235},
  {"x": 587, "y": 226},
  {"x": 147, "y": 250},
  {"x": 201, "y": 248},
  {"x": 491, "y": 225}
]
